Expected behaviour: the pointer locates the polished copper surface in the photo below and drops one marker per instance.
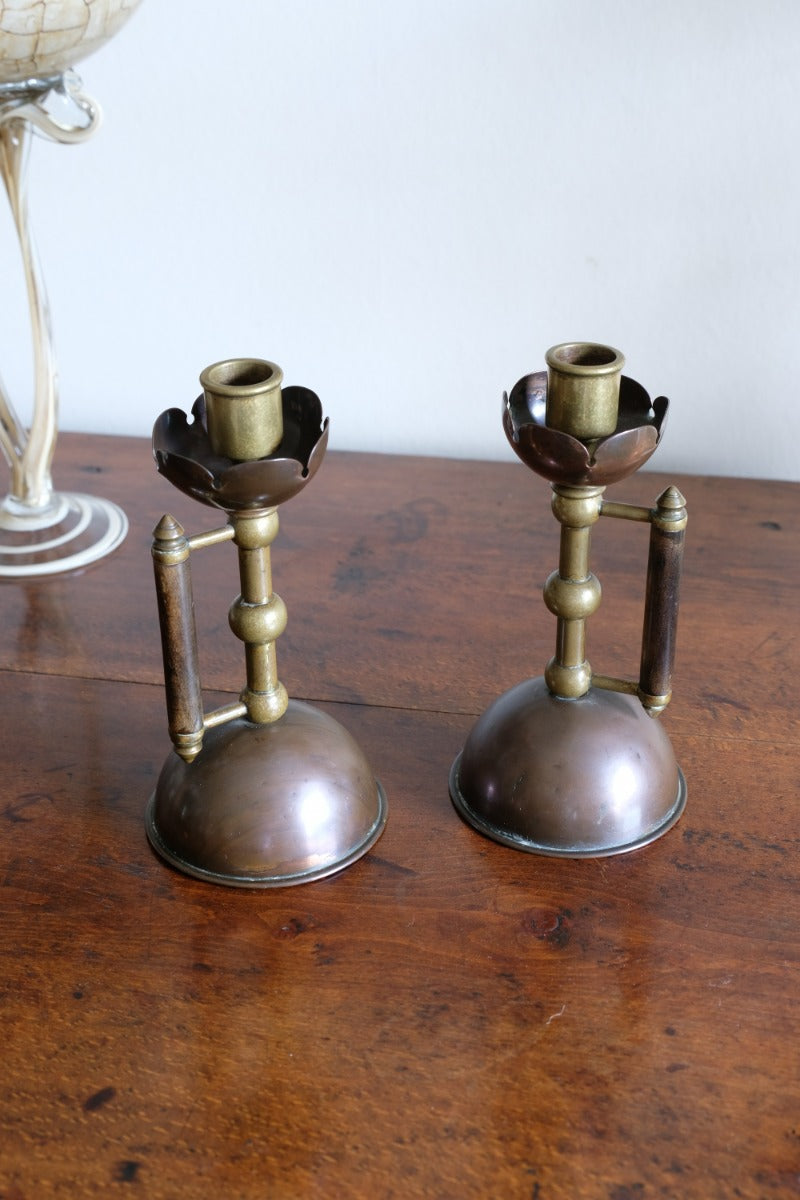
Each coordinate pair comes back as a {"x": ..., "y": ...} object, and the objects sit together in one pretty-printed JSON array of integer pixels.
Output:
[
  {"x": 562, "y": 457},
  {"x": 578, "y": 778},
  {"x": 184, "y": 455},
  {"x": 268, "y": 805}
]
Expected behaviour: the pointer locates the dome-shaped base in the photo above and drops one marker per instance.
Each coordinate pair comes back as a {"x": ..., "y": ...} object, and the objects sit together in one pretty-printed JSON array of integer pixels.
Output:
[
  {"x": 576, "y": 778},
  {"x": 268, "y": 805}
]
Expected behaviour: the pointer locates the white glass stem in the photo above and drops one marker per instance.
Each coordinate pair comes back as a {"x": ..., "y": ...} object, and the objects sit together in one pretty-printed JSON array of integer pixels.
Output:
[
  {"x": 57, "y": 109},
  {"x": 29, "y": 453}
]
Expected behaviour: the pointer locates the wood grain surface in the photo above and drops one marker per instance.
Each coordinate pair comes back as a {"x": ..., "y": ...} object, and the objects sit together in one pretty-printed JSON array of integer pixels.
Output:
[{"x": 448, "y": 1017}]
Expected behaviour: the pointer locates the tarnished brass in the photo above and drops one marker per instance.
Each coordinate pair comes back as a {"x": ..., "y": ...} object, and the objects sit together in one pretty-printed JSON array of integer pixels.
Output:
[
  {"x": 570, "y": 764},
  {"x": 262, "y": 792},
  {"x": 258, "y": 615},
  {"x": 244, "y": 414},
  {"x": 583, "y": 389},
  {"x": 572, "y": 593}
]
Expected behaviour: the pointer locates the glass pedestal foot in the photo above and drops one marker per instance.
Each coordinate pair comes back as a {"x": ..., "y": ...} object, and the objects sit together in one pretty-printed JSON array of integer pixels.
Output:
[{"x": 70, "y": 532}]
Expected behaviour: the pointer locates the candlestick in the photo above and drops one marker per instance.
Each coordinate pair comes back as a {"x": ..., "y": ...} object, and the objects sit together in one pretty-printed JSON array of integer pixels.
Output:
[
  {"x": 571, "y": 763},
  {"x": 264, "y": 791}
]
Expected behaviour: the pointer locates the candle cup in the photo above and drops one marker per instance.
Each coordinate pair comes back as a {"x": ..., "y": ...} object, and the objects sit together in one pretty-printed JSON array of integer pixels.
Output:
[
  {"x": 244, "y": 407},
  {"x": 583, "y": 380}
]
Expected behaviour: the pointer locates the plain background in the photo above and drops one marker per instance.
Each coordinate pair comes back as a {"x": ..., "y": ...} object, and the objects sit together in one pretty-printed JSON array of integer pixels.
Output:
[{"x": 405, "y": 204}]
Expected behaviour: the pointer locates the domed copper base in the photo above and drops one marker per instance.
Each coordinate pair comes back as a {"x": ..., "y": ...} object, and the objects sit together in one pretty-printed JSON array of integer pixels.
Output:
[
  {"x": 268, "y": 805},
  {"x": 576, "y": 778}
]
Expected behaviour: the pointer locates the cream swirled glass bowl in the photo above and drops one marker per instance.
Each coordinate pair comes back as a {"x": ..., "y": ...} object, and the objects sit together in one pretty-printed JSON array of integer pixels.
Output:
[
  {"x": 41, "y": 531},
  {"x": 45, "y": 37}
]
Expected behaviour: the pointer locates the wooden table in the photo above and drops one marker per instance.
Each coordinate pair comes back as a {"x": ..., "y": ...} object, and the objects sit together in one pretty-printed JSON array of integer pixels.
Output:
[{"x": 448, "y": 1017}]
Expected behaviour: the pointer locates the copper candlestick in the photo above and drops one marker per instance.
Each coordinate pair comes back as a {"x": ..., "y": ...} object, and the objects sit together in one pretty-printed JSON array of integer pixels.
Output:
[
  {"x": 572, "y": 763},
  {"x": 265, "y": 791}
]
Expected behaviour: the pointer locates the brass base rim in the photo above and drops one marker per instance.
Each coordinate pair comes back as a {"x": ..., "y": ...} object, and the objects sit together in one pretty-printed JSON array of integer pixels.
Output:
[
  {"x": 271, "y": 880},
  {"x": 518, "y": 842}
]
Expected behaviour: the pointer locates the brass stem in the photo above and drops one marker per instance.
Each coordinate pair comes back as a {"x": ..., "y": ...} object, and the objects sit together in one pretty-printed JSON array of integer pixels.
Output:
[
  {"x": 572, "y": 593},
  {"x": 573, "y": 560},
  {"x": 258, "y": 615},
  {"x": 570, "y": 643}
]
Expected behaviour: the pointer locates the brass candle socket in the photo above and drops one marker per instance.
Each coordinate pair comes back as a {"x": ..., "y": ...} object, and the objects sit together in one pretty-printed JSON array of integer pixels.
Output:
[
  {"x": 265, "y": 791},
  {"x": 244, "y": 413},
  {"x": 571, "y": 763},
  {"x": 583, "y": 381}
]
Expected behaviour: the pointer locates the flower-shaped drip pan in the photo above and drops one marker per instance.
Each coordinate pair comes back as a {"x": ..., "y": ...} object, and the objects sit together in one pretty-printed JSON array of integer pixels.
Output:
[
  {"x": 183, "y": 454},
  {"x": 564, "y": 459}
]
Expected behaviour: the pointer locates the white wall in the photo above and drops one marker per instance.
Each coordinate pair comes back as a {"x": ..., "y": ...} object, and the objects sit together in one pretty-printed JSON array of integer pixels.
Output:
[{"x": 404, "y": 204}]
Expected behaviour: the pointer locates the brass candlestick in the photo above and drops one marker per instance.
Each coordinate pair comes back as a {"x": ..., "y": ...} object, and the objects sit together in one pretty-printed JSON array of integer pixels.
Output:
[
  {"x": 265, "y": 791},
  {"x": 571, "y": 763}
]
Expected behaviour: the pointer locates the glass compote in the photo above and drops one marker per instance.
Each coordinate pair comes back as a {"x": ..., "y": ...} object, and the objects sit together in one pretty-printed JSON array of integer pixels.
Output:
[{"x": 42, "y": 531}]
